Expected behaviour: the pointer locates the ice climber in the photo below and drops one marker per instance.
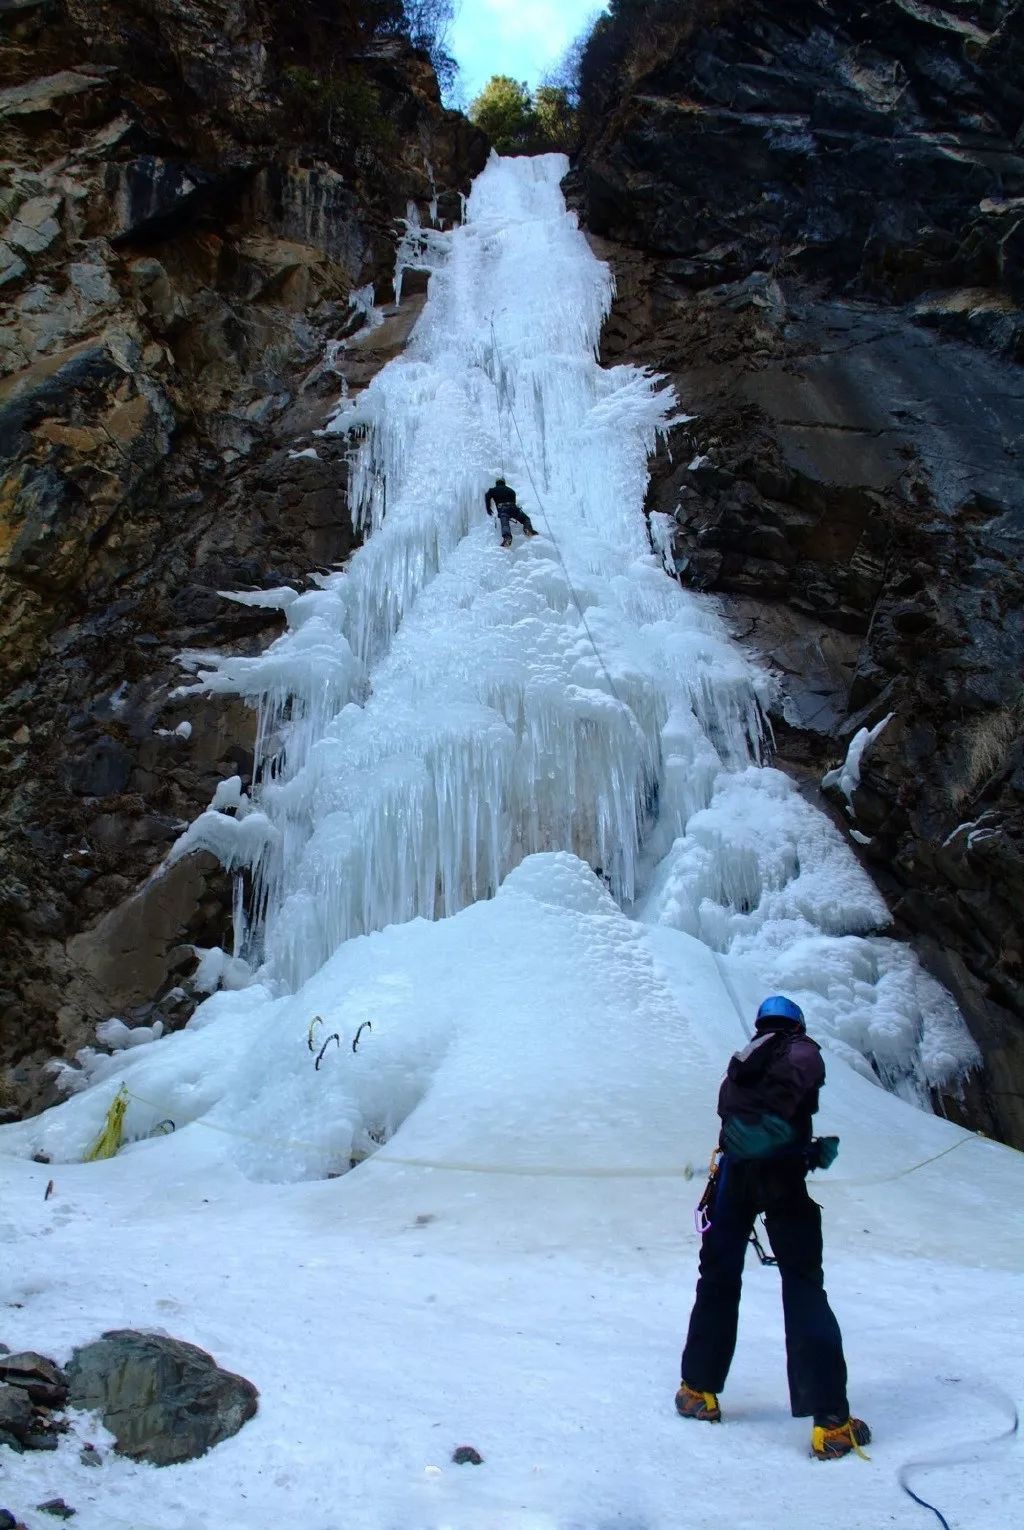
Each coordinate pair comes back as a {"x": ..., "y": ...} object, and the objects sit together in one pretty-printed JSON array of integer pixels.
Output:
[
  {"x": 503, "y": 499},
  {"x": 767, "y": 1099}
]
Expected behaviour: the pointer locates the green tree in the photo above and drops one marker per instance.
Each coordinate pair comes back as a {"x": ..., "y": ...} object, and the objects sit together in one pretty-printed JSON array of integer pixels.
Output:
[
  {"x": 504, "y": 110},
  {"x": 555, "y": 116},
  {"x": 517, "y": 122},
  {"x": 338, "y": 108}
]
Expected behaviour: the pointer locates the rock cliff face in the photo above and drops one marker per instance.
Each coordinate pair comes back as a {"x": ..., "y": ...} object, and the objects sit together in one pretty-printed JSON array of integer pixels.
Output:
[
  {"x": 191, "y": 192},
  {"x": 816, "y": 213}
]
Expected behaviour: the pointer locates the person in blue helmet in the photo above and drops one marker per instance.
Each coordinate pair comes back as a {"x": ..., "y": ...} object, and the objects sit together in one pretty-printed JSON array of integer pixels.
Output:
[{"x": 767, "y": 1100}]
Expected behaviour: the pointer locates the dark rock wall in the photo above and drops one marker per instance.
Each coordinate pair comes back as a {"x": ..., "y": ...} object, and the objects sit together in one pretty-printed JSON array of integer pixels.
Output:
[
  {"x": 815, "y": 211},
  {"x": 179, "y": 238}
]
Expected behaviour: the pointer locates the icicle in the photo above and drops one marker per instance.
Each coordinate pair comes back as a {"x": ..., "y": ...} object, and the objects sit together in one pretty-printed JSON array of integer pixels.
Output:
[
  {"x": 362, "y": 300},
  {"x": 443, "y": 708},
  {"x": 433, "y": 192}
]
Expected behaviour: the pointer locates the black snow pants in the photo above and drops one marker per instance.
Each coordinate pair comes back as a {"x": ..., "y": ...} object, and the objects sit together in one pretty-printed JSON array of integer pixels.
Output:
[
  {"x": 507, "y": 513},
  {"x": 814, "y": 1345}
]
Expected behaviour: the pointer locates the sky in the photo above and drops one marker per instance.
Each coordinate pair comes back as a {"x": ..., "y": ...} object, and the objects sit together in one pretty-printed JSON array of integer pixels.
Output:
[{"x": 523, "y": 38}]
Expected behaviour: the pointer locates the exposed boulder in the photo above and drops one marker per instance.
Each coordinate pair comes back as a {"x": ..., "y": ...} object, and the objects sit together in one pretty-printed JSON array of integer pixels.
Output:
[
  {"x": 39, "y": 1378},
  {"x": 17, "y": 1417},
  {"x": 30, "y": 1388},
  {"x": 164, "y": 1401}
]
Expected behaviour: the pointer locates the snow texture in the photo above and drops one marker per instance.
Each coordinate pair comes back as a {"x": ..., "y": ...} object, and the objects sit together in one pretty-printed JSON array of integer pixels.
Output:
[
  {"x": 511, "y": 809},
  {"x": 512, "y": 1268}
]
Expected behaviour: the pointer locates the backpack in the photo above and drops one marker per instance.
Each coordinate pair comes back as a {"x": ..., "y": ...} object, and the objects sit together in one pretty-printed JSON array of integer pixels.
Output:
[{"x": 748, "y": 1067}]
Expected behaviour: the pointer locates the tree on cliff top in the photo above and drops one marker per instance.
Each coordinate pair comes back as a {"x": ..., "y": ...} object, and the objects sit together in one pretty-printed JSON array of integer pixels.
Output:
[
  {"x": 428, "y": 24},
  {"x": 504, "y": 110},
  {"x": 518, "y": 122}
]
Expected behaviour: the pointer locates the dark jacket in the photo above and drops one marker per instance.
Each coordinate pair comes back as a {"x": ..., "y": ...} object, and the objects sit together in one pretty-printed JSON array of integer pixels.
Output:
[
  {"x": 499, "y": 494},
  {"x": 778, "y": 1074}
]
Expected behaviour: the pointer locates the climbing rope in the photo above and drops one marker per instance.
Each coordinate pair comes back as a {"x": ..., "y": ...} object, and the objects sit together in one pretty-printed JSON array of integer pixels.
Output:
[
  {"x": 538, "y": 1171},
  {"x": 966, "y": 1457},
  {"x": 497, "y": 395},
  {"x": 547, "y": 521},
  {"x": 888, "y": 1179},
  {"x": 730, "y": 990}
]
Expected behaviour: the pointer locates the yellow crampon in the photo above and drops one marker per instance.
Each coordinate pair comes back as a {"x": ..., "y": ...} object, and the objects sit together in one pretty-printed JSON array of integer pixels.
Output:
[
  {"x": 109, "y": 1139},
  {"x": 822, "y": 1437}
]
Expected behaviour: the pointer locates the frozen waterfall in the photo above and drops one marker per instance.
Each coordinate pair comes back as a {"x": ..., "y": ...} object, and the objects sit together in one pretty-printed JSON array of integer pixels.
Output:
[
  {"x": 452, "y": 709},
  {"x": 442, "y": 709}
]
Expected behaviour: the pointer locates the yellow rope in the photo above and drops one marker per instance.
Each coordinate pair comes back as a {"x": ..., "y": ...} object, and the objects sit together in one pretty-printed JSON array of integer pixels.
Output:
[{"x": 109, "y": 1139}]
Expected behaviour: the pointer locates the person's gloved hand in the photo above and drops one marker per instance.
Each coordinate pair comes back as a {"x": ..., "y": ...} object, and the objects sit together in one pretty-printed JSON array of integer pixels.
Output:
[
  {"x": 823, "y": 1152},
  {"x": 756, "y": 1139}
]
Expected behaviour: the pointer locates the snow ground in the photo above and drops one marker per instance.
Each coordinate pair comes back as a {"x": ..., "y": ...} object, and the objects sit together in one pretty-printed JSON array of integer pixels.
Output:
[
  {"x": 513, "y": 1268},
  {"x": 394, "y": 1313}
]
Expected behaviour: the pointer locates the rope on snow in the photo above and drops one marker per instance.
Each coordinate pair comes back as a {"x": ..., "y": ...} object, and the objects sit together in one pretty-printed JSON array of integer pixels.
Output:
[{"x": 965, "y": 1457}]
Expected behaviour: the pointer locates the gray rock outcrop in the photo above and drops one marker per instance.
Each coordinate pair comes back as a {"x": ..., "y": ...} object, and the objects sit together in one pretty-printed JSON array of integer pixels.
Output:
[
  {"x": 31, "y": 1388},
  {"x": 164, "y": 1401},
  {"x": 815, "y": 212}
]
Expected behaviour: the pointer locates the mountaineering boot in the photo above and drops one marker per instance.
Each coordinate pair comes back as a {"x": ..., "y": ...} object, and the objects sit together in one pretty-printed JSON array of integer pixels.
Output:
[
  {"x": 531, "y": 532},
  {"x": 506, "y": 541},
  {"x": 834, "y": 1438},
  {"x": 693, "y": 1404}
]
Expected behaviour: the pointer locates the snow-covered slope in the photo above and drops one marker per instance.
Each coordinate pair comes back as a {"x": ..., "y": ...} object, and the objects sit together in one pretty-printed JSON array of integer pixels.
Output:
[
  {"x": 449, "y": 729},
  {"x": 514, "y": 1269}
]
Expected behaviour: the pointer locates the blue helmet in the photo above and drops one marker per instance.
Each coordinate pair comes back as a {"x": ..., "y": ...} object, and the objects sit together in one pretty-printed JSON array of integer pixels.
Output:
[{"x": 778, "y": 1007}]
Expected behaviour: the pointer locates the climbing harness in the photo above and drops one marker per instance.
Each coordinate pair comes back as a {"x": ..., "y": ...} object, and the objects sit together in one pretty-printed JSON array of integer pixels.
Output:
[
  {"x": 702, "y": 1210},
  {"x": 704, "y": 1207},
  {"x": 759, "y": 1248}
]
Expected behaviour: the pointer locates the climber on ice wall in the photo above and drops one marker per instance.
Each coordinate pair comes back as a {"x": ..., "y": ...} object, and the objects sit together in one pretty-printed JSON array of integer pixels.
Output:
[
  {"x": 766, "y": 1102},
  {"x": 503, "y": 499}
]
